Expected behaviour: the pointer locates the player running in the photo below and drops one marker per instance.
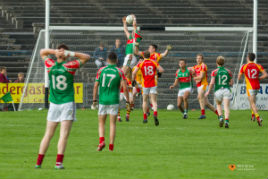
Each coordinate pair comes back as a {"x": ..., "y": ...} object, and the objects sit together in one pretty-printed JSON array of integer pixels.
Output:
[
  {"x": 184, "y": 78},
  {"x": 123, "y": 97},
  {"x": 222, "y": 79},
  {"x": 155, "y": 56},
  {"x": 62, "y": 107},
  {"x": 201, "y": 82},
  {"x": 148, "y": 68},
  {"x": 109, "y": 79},
  {"x": 130, "y": 59},
  {"x": 251, "y": 71}
]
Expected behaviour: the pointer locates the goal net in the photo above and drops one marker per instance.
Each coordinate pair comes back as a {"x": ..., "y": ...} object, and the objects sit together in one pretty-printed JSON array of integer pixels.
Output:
[{"x": 232, "y": 43}]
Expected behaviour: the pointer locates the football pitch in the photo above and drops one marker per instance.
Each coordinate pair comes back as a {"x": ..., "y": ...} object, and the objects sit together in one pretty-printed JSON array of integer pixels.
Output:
[{"x": 177, "y": 148}]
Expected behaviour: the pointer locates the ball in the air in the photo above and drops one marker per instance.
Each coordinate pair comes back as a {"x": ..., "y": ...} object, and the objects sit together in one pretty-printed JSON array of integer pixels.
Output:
[
  {"x": 129, "y": 19},
  {"x": 170, "y": 107}
]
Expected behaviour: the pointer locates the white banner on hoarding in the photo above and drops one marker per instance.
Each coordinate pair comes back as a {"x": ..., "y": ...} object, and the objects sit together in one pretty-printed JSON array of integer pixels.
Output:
[{"x": 241, "y": 100}]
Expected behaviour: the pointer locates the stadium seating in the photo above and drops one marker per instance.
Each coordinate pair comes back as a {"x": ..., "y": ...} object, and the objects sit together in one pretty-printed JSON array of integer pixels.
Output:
[{"x": 22, "y": 20}]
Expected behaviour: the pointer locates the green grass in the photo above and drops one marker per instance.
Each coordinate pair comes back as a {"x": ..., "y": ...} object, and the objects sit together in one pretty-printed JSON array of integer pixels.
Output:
[{"x": 176, "y": 149}]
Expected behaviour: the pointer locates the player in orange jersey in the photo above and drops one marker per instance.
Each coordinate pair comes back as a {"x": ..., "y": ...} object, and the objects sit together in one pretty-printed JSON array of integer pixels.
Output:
[
  {"x": 251, "y": 71},
  {"x": 149, "y": 69},
  {"x": 155, "y": 56},
  {"x": 201, "y": 83}
]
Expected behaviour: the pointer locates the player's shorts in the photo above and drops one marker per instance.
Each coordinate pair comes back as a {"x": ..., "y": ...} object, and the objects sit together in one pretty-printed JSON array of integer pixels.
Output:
[
  {"x": 130, "y": 62},
  {"x": 151, "y": 90},
  {"x": 61, "y": 112},
  {"x": 108, "y": 109},
  {"x": 182, "y": 91},
  {"x": 203, "y": 88},
  {"x": 252, "y": 92},
  {"x": 223, "y": 93},
  {"x": 123, "y": 97}
]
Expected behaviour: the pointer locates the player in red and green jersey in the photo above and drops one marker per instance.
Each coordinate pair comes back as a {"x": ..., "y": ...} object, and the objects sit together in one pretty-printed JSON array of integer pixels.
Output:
[
  {"x": 184, "y": 78},
  {"x": 148, "y": 69},
  {"x": 109, "y": 79},
  {"x": 251, "y": 70},
  {"x": 222, "y": 79},
  {"x": 133, "y": 38},
  {"x": 61, "y": 97},
  {"x": 201, "y": 83}
]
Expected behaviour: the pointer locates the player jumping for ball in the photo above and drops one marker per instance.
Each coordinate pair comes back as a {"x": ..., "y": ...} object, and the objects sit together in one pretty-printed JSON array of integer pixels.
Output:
[
  {"x": 251, "y": 70},
  {"x": 149, "y": 69},
  {"x": 109, "y": 79},
  {"x": 133, "y": 38},
  {"x": 222, "y": 79},
  {"x": 184, "y": 78},
  {"x": 201, "y": 82},
  {"x": 62, "y": 107}
]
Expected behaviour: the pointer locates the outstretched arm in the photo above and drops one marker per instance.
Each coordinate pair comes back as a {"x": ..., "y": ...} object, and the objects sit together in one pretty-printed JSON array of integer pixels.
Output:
[
  {"x": 160, "y": 69},
  {"x": 125, "y": 27},
  {"x": 134, "y": 22},
  {"x": 176, "y": 82},
  {"x": 95, "y": 90},
  {"x": 46, "y": 52},
  {"x": 264, "y": 75},
  {"x": 166, "y": 51},
  {"x": 212, "y": 82}
]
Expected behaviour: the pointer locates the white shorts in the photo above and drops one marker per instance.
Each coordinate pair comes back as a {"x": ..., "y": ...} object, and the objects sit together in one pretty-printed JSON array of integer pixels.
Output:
[
  {"x": 152, "y": 90},
  {"x": 182, "y": 91},
  {"x": 108, "y": 109},
  {"x": 123, "y": 97},
  {"x": 202, "y": 88},
  {"x": 130, "y": 63},
  {"x": 61, "y": 112},
  {"x": 252, "y": 92},
  {"x": 224, "y": 93}
]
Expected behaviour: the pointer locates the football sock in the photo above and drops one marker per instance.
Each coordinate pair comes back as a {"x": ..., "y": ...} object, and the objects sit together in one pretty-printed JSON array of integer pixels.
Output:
[
  {"x": 111, "y": 146},
  {"x": 101, "y": 139},
  {"x": 40, "y": 159},
  {"x": 257, "y": 116},
  {"x": 131, "y": 105},
  {"x": 148, "y": 110},
  {"x": 226, "y": 120},
  {"x": 155, "y": 113},
  {"x": 203, "y": 112},
  {"x": 118, "y": 114},
  {"x": 252, "y": 114},
  {"x": 59, "y": 159},
  {"x": 144, "y": 116},
  {"x": 216, "y": 112},
  {"x": 185, "y": 111},
  {"x": 220, "y": 117}
]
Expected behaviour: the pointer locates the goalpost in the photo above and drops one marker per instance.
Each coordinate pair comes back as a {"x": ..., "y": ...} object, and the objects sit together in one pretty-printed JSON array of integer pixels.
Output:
[{"x": 45, "y": 39}]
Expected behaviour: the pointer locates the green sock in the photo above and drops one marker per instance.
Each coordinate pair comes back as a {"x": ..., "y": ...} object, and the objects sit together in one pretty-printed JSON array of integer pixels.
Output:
[{"x": 185, "y": 111}]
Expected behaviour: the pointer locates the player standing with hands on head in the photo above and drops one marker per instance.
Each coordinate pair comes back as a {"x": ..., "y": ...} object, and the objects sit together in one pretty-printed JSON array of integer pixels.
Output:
[
  {"x": 184, "y": 79},
  {"x": 109, "y": 79},
  {"x": 222, "y": 79},
  {"x": 202, "y": 84},
  {"x": 251, "y": 70},
  {"x": 61, "y": 97},
  {"x": 149, "y": 69}
]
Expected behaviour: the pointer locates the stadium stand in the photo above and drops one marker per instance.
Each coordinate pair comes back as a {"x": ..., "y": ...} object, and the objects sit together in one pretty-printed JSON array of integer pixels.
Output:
[{"x": 22, "y": 20}]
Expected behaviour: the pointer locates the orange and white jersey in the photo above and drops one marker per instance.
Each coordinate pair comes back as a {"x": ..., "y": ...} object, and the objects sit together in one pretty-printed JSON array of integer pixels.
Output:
[
  {"x": 251, "y": 71},
  {"x": 148, "y": 69},
  {"x": 154, "y": 56},
  {"x": 198, "y": 69}
]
